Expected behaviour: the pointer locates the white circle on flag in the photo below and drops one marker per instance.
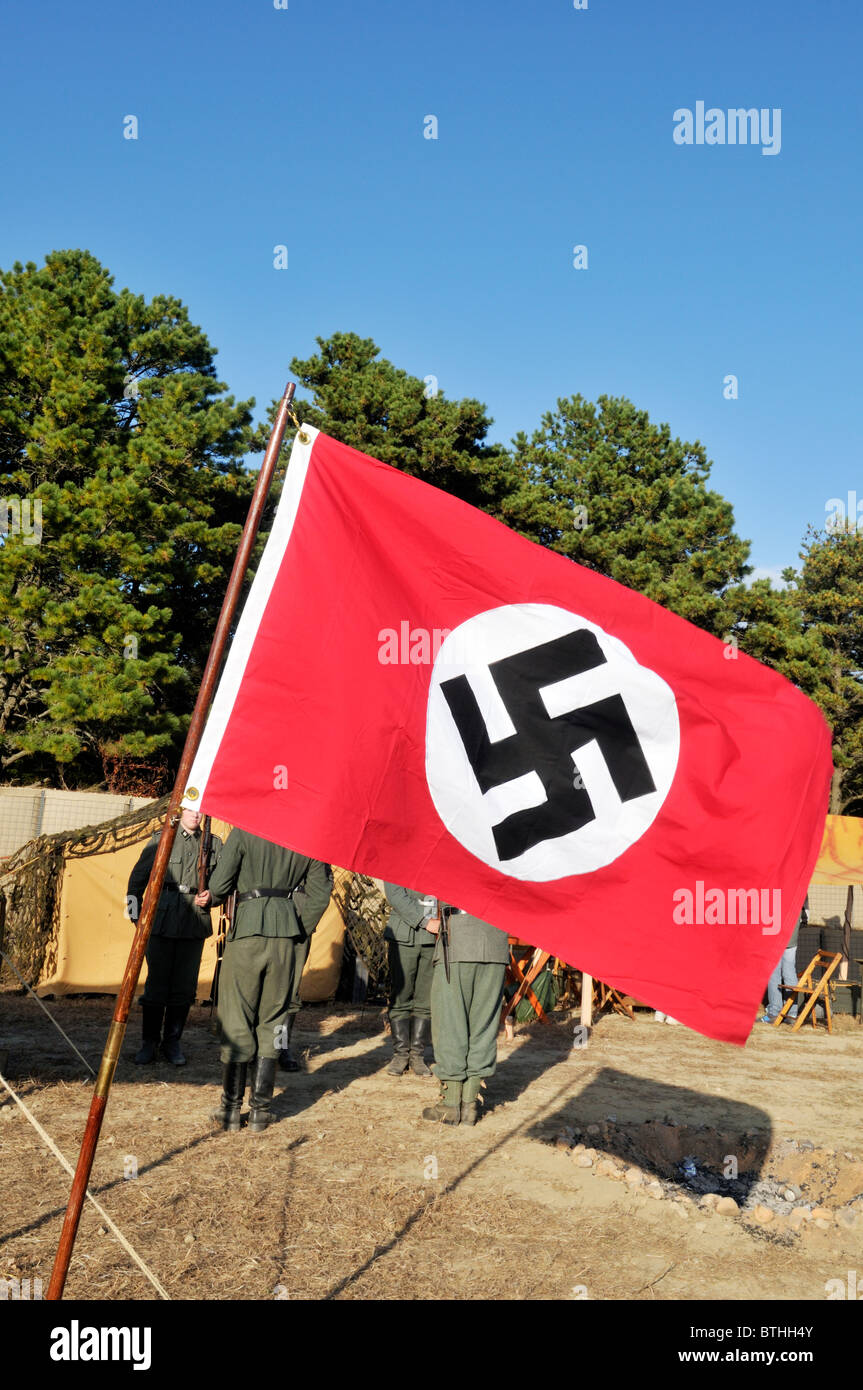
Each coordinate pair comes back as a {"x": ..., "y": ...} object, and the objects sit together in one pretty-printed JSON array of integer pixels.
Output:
[{"x": 604, "y": 729}]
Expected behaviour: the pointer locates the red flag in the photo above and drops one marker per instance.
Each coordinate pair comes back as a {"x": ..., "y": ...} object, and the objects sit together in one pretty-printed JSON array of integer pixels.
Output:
[{"x": 419, "y": 694}]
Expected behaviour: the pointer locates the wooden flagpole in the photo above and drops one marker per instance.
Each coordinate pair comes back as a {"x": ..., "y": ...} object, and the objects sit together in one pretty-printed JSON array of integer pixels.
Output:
[{"x": 117, "y": 1031}]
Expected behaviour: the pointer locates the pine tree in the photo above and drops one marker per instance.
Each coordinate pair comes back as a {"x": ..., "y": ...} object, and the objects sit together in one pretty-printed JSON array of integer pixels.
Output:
[
  {"x": 113, "y": 427},
  {"x": 366, "y": 402},
  {"x": 828, "y": 594},
  {"x": 606, "y": 487}
]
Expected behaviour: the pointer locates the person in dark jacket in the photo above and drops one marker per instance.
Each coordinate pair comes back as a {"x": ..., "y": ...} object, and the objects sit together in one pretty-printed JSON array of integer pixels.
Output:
[
  {"x": 466, "y": 1013},
  {"x": 411, "y": 951},
  {"x": 265, "y": 947},
  {"x": 180, "y": 928}
]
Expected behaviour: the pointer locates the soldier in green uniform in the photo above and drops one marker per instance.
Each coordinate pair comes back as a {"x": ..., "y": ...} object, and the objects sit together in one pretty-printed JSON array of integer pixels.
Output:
[
  {"x": 266, "y": 944},
  {"x": 466, "y": 1014},
  {"x": 411, "y": 951},
  {"x": 177, "y": 937}
]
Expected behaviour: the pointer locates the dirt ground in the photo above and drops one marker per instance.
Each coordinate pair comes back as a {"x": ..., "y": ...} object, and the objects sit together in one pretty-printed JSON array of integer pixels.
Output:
[{"x": 350, "y": 1195}]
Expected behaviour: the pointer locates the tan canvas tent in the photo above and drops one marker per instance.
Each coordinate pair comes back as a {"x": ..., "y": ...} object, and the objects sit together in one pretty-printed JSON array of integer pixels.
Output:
[{"x": 89, "y": 952}]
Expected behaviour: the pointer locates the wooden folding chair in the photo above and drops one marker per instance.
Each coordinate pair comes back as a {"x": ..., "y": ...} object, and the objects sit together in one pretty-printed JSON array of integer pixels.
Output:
[
  {"x": 829, "y": 962},
  {"x": 621, "y": 1003},
  {"x": 523, "y": 979}
]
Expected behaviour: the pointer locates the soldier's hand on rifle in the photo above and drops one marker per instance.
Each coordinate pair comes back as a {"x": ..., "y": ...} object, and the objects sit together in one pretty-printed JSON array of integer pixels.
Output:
[{"x": 203, "y": 899}]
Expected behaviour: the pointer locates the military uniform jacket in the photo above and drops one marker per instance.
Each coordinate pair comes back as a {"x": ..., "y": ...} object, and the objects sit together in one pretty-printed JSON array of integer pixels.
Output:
[
  {"x": 471, "y": 940},
  {"x": 406, "y": 918},
  {"x": 247, "y": 862},
  {"x": 176, "y": 914}
]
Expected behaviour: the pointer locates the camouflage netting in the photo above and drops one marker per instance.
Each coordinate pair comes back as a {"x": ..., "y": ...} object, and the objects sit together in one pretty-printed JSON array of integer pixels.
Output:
[
  {"x": 365, "y": 911},
  {"x": 31, "y": 883},
  {"x": 32, "y": 879}
]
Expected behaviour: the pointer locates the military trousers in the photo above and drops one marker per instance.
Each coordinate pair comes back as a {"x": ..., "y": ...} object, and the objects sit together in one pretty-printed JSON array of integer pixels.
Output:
[
  {"x": 173, "y": 963},
  {"x": 411, "y": 973},
  {"x": 465, "y": 1018},
  {"x": 255, "y": 989}
]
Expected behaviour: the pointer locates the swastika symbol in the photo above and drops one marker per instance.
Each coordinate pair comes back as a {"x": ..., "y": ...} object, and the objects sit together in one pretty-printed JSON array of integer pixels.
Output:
[{"x": 545, "y": 745}]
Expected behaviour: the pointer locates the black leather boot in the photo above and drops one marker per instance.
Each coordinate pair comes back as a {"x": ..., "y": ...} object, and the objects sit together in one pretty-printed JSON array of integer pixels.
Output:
[
  {"x": 233, "y": 1085},
  {"x": 448, "y": 1109},
  {"x": 175, "y": 1018},
  {"x": 151, "y": 1031},
  {"x": 263, "y": 1081},
  {"x": 287, "y": 1061},
  {"x": 401, "y": 1046},
  {"x": 420, "y": 1036},
  {"x": 471, "y": 1100}
]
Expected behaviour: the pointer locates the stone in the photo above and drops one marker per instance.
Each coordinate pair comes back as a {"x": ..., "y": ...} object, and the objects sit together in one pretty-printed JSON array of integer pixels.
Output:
[
  {"x": 189, "y": 1239},
  {"x": 822, "y": 1214},
  {"x": 798, "y": 1218},
  {"x": 583, "y": 1161},
  {"x": 847, "y": 1217},
  {"x": 709, "y": 1201},
  {"x": 578, "y": 1149},
  {"x": 561, "y": 1143},
  {"x": 607, "y": 1169},
  {"x": 680, "y": 1209},
  {"x": 790, "y": 1195},
  {"x": 822, "y": 1224},
  {"x": 634, "y": 1177},
  {"x": 726, "y": 1206},
  {"x": 655, "y": 1190},
  {"x": 593, "y": 1129},
  {"x": 763, "y": 1215}
]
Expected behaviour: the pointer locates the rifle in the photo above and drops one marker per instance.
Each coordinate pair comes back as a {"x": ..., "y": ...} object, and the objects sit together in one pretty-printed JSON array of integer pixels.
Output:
[
  {"x": 442, "y": 912},
  {"x": 204, "y": 853},
  {"x": 203, "y": 874},
  {"x": 226, "y": 919}
]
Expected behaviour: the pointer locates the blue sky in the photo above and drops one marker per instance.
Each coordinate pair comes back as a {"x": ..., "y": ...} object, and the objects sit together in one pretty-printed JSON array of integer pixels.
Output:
[{"x": 303, "y": 127}]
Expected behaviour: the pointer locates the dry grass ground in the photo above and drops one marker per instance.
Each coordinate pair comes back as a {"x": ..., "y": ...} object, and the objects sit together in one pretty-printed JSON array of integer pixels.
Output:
[{"x": 350, "y": 1195}]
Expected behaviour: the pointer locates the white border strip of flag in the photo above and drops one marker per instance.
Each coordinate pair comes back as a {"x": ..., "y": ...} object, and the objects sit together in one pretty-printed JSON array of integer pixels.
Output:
[{"x": 253, "y": 612}]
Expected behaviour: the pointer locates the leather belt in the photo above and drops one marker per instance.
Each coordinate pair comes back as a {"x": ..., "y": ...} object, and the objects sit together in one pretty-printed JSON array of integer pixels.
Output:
[
  {"x": 180, "y": 888},
  {"x": 264, "y": 893}
]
